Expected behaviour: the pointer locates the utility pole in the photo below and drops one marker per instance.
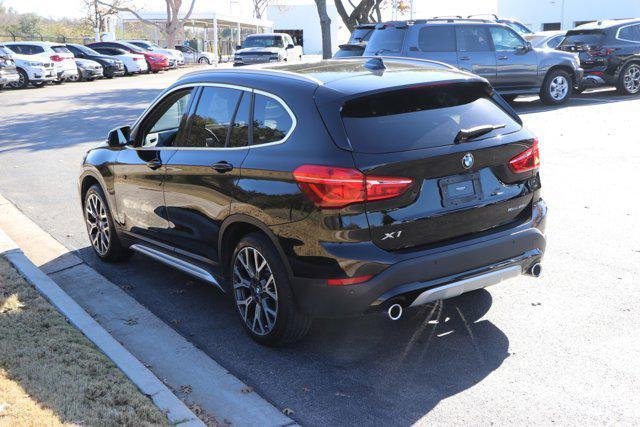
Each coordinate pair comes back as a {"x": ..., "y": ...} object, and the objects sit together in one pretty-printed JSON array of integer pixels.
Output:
[{"x": 411, "y": 10}]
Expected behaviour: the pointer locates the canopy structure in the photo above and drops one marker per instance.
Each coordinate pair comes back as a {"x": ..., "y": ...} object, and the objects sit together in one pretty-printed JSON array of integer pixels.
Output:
[{"x": 210, "y": 31}]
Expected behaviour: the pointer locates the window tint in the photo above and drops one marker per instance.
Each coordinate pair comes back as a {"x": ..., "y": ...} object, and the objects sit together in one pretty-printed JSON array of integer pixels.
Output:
[
  {"x": 441, "y": 38},
  {"x": 554, "y": 42},
  {"x": 240, "y": 130},
  {"x": 386, "y": 39},
  {"x": 60, "y": 49},
  {"x": 473, "y": 39},
  {"x": 631, "y": 33},
  {"x": 421, "y": 117},
  {"x": 521, "y": 29},
  {"x": 212, "y": 118},
  {"x": 583, "y": 38},
  {"x": 271, "y": 121},
  {"x": 165, "y": 128},
  {"x": 505, "y": 40}
]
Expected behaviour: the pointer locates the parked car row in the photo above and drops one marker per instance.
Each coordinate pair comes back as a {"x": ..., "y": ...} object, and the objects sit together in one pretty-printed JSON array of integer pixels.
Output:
[
  {"x": 511, "y": 57},
  {"x": 37, "y": 63}
]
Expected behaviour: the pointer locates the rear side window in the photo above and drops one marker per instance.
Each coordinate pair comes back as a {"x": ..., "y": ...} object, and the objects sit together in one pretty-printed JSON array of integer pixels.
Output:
[
  {"x": 441, "y": 38},
  {"x": 386, "y": 39},
  {"x": 421, "y": 117},
  {"x": 239, "y": 136},
  {"x": 473, "y": 39},
  {"x": 583, "y": 38},
  {"x": 630, "y": 33},
  {"x": 271, "y": 121},
  {"x": 212, "y": 118}
]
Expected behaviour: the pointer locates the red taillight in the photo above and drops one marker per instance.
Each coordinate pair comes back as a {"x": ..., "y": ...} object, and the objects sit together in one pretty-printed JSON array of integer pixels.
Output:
[
  {"x": 348, "y": 281},
  {"x": 528, "y": 160},
  {"x": 57, "y": 58},
  {"x": 332, "y": 187}
]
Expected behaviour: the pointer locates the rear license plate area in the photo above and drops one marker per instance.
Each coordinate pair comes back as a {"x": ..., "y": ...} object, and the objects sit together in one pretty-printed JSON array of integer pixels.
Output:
[{"x": 460, "y": 189}]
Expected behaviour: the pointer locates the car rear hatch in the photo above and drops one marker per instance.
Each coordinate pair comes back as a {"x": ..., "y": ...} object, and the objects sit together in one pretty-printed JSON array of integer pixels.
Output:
[
  {"x": 64, "y": 57},
  {"x": 453, "y": 142},
  {"x": 588, "y": 44}
]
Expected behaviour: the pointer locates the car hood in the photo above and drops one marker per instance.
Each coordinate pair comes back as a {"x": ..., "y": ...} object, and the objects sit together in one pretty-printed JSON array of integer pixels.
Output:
[
  {"x": 273, "y": 50},
  {"x": 86, "y": 62}
]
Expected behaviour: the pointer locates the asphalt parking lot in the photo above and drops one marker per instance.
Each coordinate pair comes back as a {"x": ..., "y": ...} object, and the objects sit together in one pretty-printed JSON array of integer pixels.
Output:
[{"x": 564, "y": 348}]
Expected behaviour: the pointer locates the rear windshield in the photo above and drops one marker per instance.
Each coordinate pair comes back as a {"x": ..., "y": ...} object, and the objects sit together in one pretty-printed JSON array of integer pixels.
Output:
[
  {"x": 583, "y": 38},
  {"x": 421, "y": 117},
  {"x": 349, "y": 50},
  {"x": 60, "y": 49},
  {"x": 386, "y": 39},
  {"x": 360, "y": 35}
]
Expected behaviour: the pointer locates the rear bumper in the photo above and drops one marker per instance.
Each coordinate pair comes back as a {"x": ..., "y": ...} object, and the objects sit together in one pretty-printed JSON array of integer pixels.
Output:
[
  {"x": 9, "y": 78},
  {"x": 405, "y": 281}
]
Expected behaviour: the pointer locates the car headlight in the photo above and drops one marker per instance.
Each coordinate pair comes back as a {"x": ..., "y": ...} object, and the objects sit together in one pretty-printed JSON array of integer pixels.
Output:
[{"x": 35, "y": 64}]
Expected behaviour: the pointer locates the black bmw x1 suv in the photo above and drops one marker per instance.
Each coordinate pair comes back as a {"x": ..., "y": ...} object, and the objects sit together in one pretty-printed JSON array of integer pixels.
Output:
[{"x": 323, "y": 189}]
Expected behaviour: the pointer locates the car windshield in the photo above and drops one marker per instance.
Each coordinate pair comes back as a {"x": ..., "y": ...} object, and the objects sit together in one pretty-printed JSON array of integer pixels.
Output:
[
  {"x": 60, "y": 49},
  {"x": 386, "y": 39},
  {"x": 521, "y": 29},
  {"x": 263, "y": 41},
  {"x": 583, "y": 38},
  {"x": 4, "y": 51},
  {"x": 132, "y": 46},
  {"x": 85, "y": 50},
  {"x": 145, "y": 45}
]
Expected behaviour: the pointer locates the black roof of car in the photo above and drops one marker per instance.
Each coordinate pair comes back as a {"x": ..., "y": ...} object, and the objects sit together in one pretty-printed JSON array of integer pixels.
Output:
[{"x": 347, "y": 76}]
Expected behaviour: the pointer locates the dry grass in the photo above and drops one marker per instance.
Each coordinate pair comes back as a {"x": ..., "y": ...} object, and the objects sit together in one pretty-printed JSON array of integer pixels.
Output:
[{"x": 50, "y": 374}]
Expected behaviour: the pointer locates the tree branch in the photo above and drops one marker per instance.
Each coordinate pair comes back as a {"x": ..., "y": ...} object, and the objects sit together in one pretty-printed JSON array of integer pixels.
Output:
[
  {"x": 136, "y": 14},
  {"x": 183, "y": 20}
]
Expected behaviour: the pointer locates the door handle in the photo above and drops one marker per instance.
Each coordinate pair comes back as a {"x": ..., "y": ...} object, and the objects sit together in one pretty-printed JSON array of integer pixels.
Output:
[
  {"x": 503, "y": 58},
  {"x": 465, "y": 58},
  {"x": 154, "y": 164},
  {"x": 222, "y": 167}
]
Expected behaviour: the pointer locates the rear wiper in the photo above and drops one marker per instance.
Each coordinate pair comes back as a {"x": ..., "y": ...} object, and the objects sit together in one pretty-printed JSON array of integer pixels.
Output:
[{"x": 466, "y": 135}]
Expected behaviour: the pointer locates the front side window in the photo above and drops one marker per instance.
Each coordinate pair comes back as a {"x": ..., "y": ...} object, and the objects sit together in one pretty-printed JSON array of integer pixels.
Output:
[
  {"x": 440, "y": 38},
  {"x": 271, "y": 121},
  {"x": 473, "y": 39},
  {"x": 165, "y": 120},
  {"x": 211, "y": 120},
  {"x": 506, "y": 40},
  {"x": 239, "y": 133}
]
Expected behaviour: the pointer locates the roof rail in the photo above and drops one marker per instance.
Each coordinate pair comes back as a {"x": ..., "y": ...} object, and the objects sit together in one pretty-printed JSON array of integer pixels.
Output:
[
  {"x": 444, "y": 19},
  {"x": 493, "y": 15},
  {"x": 448, "y": 17}
]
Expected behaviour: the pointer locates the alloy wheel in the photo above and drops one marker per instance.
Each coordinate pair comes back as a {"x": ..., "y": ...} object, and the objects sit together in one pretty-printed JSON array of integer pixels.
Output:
[
  {"x": 255, "y": 291},
  {"x": 20, "y": 83},
  {"x": 632, "y": 79},
  {"x": 98, "y": 224},
  {"x": 559, "y": 88}
]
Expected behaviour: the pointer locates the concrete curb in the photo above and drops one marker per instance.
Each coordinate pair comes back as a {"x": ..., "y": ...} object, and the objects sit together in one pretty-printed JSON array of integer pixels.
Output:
[{"x": 177, "y": 412}]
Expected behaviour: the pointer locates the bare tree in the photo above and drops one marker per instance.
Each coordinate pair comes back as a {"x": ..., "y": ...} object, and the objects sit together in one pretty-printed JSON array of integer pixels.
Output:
[
  {"x": 259, "y": 6},
  {"x": 325, "y": 28},
  {"x": 361, "y": 13},
  {"x": 170, "y": 27},
  {"x": 96, "y": 13}
]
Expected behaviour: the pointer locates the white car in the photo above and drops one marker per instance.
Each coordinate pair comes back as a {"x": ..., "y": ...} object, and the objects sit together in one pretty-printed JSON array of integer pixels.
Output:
[
  {"x": 546, "y": 39},
  {"x": 63, "y": 60},
  {"x": 133, "y": 63},
  {"x": 32, "y": 70},
  {"x": 174, "y": 54},
  {"x": 193, "y": 56},
  {"x": 265, "y": 48}
]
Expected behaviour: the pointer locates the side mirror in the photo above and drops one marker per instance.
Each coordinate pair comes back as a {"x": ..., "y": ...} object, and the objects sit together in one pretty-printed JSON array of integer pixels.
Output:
[
  {"x": 119, "y": 137},
  {"x": 290, "y": 46},
  {"x": 238, "y": 47},
  {"x": 527, "y": 46}
]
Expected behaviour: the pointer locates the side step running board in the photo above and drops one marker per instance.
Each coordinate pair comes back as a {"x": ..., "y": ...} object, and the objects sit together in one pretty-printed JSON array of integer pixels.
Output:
[{"x": 178, "y": 263}]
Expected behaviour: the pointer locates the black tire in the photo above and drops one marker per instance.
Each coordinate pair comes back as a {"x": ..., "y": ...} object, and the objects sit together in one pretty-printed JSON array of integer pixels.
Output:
[
  {"x": 60, "y": 81},
  {"x": 204, "y": 60},
  {"x": 290, "y": 324},
  {"x": 115, "y": 250},
  {"x": 509, "y": 98},
  {"x": 39, "y": 84},
  {"x": 547, "y": 93},
  {"x": 23, "y": 82},
  {"x": 79, "y": 78},
  {"x": 155, "y": 71},
  {"x": 629, "y": 84},
  {"x": 148, "y": 68}
]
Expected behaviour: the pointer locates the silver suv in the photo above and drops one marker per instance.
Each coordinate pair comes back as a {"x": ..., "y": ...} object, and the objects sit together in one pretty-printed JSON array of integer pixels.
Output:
[{"x": 486, "y": 48}]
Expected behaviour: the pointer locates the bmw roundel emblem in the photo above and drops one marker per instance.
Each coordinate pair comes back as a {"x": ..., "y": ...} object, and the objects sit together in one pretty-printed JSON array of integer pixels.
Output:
[{"x": 467, "y": 161}]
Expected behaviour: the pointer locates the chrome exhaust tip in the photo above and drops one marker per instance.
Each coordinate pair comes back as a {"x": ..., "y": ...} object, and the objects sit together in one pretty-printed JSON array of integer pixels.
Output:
[
  {"x": 536, "y": 270},
  {"x": 394, "y": 312}
]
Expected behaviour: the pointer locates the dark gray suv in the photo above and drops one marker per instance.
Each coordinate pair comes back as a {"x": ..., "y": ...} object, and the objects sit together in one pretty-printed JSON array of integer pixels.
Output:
[{"x": 490, "y": 49}]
